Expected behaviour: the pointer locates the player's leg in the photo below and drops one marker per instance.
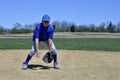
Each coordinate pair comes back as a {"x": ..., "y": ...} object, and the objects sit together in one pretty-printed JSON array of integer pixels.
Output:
[
  {"x": 30, "y": 55},
  {"x": 54, "y": 54}
]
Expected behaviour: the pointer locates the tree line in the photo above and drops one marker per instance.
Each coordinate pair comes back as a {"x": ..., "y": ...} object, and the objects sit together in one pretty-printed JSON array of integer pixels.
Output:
[{"x": 64, "y": 26}]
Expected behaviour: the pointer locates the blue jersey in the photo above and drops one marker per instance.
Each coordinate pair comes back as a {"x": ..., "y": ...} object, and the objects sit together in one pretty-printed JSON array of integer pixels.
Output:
[{"x": 43, "y": 33}]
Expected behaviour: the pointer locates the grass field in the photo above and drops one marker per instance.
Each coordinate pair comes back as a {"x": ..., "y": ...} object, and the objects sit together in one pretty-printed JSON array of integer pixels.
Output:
[{"x": 100, "y": 44}]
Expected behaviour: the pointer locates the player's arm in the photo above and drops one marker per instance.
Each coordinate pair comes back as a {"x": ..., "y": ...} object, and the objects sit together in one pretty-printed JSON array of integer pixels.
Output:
[
  {"x": 37, "y": 44},
  {"x": 50, "y": 44},
  {"x": 50, "y": 38},
  {"x": 36, "y": 33},
  {"x": 37, "y": 47}
]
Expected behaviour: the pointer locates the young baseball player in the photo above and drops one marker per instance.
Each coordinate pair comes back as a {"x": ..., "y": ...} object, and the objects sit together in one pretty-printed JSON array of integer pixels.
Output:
[{"x": 43, "y": 32}]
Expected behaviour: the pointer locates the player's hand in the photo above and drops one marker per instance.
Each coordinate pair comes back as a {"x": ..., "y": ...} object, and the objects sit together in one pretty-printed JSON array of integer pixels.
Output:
[{"x": 37, "y": 54}]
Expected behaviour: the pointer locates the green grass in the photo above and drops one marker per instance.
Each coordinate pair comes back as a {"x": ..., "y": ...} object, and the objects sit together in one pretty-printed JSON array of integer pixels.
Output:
[{"x": 100, "y": 44}]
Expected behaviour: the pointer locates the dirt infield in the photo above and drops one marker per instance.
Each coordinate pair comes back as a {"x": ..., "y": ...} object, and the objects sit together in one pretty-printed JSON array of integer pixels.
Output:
[{"x": 75, "y": 65}]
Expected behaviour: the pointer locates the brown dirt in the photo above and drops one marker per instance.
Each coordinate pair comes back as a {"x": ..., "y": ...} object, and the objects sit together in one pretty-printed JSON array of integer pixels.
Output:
[{"x": 75, "y": 65}]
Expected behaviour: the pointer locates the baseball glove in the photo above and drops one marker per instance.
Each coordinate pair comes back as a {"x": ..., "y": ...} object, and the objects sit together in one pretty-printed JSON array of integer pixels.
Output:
[{"x": 47, "y": 58}]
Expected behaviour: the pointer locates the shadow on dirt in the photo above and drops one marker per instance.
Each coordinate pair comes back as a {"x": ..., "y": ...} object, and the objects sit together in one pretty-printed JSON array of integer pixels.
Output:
[{"x": 35, "y": 66}]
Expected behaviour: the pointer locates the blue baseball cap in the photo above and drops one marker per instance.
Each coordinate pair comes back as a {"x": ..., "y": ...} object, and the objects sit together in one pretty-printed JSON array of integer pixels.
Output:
[{"x": 46, "y": 18}]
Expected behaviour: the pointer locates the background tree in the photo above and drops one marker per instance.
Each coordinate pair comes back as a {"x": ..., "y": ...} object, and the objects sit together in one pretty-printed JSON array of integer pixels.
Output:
[
  {"x": 92, "y": 28},
  {"x": 56, "y": 25},
  {"x": 118, "y": 27},
  {"x": 101, "y": 27},
  {"x": 17, "y": 25},
  {"x": 2, "y": 30},
  {"x": 73, "y": 28},
  {"x": 64, "y": 25},
  {"x": 111, "y": 27}
]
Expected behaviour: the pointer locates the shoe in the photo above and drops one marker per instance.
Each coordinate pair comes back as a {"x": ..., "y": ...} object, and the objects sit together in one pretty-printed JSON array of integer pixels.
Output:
[
  {"x": 56, "y": 66},
  {"x": 24, "y": 66}
]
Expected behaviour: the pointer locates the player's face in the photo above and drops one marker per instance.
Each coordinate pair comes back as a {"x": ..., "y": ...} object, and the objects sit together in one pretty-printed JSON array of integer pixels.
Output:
[{"x": 45, "y": 23}]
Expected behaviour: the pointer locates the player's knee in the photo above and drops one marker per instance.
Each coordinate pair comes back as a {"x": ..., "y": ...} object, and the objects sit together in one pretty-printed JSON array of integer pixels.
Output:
[
  {"x": 31, "y": 53},
  {"x": 54, "y": 50},
  {"x": 53, "y": 53}
]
